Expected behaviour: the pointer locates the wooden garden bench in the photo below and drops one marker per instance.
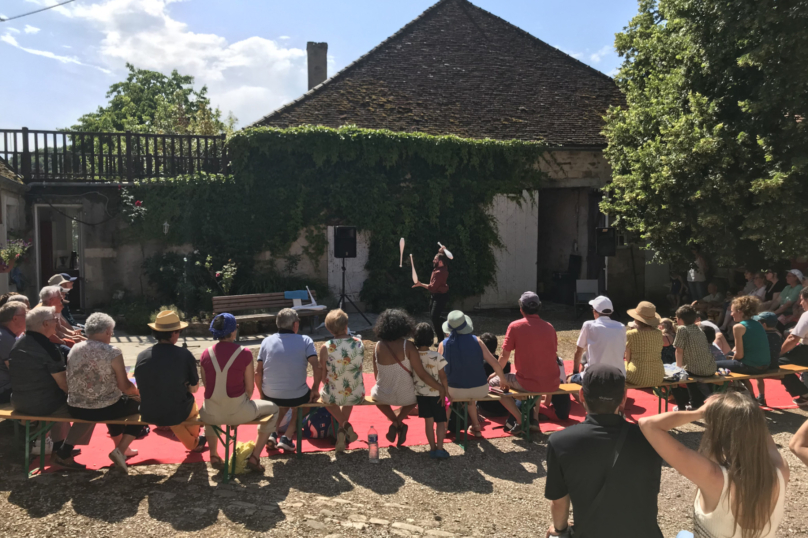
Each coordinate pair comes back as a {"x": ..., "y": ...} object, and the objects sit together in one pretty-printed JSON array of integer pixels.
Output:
[
  {"x": 275, "y": 302},
  {"x": 43, "y": 424}
]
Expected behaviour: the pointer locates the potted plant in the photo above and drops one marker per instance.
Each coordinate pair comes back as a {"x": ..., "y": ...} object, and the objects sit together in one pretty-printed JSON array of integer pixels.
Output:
[{"x": 11, "y": 253}]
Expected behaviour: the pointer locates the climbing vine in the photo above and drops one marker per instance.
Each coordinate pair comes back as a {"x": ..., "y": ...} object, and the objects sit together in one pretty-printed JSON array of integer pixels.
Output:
[{"x": 288, "y": 182}]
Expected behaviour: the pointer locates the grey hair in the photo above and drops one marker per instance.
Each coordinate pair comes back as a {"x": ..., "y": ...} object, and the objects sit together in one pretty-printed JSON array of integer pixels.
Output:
[
  {"x": 20, "y": 299},
  {"x": 9, "y": 310},
  {"x": 286, "y": 319},
  {"x": 49, "y": 292},
  {"x": 98, "y": 323},
  {"x": 37, "y": 316}
]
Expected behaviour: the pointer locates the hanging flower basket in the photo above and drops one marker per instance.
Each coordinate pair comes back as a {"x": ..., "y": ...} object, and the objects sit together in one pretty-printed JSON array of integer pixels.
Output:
[
  {"x": 11, "y": 254},
  {"x": 6, "y": 267}
]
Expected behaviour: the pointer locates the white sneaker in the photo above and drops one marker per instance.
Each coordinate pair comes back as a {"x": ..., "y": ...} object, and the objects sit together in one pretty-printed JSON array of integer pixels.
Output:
[
  {"x": 118, "y": 459},
  {"x": 130, "y": 452},
  {"x": 675, "y": 408},
  {"x": 48, "y": 447}
]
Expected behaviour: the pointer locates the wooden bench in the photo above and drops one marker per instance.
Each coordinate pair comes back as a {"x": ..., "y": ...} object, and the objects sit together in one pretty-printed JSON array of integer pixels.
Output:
[
  {"x": 529, "y": 400},
  {"x": 227, "y": 436},
  {"x": 274, "y": 302}
]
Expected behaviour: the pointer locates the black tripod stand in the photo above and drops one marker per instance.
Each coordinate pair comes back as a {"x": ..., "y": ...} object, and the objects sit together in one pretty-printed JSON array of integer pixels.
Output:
[{"x": 343, "y": 297}]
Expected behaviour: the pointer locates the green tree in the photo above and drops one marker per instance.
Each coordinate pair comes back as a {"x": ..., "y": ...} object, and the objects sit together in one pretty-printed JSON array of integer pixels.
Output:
[
  {"x": 150, "y": 102},
  {"x": 711, "y": 147}
]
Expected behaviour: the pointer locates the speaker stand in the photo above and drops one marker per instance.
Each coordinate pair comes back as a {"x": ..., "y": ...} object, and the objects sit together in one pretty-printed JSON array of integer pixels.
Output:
[{"x": 343, "y": 297}]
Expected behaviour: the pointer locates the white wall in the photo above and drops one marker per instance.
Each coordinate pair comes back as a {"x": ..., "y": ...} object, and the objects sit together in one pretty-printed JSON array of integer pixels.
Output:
[
  {"x": 516, "y": 263},
  {"x": 355, "y": 272}
]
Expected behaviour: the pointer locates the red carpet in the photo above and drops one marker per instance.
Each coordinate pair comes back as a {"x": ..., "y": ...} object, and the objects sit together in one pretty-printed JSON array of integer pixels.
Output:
[{"x": 161, "y": 447}]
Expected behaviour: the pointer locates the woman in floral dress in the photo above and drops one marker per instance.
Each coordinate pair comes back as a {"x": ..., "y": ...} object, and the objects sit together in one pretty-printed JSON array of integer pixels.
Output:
[{"x": 341, "y": 361}]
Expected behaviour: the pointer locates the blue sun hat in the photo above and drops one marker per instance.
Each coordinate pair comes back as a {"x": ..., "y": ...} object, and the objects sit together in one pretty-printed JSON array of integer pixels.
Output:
[{"x": 230, "y": 325}]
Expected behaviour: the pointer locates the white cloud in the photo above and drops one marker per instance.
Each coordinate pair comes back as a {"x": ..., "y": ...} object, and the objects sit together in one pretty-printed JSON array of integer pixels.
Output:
[
  {"x": 598, "y": 56},
  {"x": 613, "y": 72},
  {"x": 251, "y": 77},
  {"x": 284, "y": 37},
  {"x": 576, "y": 55},
  {"x": 8, "y": 38},
  {"x": 67, "y": 46},
  {"x": 31, "y": 29},
  {"x": 12, "y": 30}
]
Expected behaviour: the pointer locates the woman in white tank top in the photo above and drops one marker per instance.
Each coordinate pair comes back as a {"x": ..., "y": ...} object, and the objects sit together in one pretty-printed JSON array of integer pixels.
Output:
[{"x": 740, "y": 475}]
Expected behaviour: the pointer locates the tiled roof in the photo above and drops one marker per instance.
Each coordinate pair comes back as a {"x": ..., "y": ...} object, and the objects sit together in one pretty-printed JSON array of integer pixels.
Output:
[
  {"x": 458, "y": 69},
  {"x": 7, "y": 173}
]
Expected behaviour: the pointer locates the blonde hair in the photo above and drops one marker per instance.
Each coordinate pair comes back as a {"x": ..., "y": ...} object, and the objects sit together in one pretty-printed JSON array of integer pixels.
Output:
[
  {"x": 747, "y": 305},
  {"x": 668, "y": 327},
  {"x": 336, "y": 321},
  {"x": 736, "y": 438}
]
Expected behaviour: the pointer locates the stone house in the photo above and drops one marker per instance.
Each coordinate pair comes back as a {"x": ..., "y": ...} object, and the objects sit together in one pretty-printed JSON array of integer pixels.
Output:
[{"x": 460, "y": 70}]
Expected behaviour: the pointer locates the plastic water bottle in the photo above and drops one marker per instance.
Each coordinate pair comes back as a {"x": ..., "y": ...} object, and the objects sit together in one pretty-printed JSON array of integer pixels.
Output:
[{"x": 373, "y": 445}]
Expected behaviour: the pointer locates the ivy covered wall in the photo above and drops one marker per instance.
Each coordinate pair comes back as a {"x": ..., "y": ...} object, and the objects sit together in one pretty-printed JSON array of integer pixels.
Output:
[{"x": 287, "y": 181}]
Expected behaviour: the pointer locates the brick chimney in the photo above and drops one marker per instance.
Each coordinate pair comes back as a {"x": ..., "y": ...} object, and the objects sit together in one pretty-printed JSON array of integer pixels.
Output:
[{"x": 318, "y": 63}]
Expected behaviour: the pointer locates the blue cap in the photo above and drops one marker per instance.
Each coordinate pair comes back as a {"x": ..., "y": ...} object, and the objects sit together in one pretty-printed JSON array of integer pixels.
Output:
[
  {"x": 768, "y": 319},
  {"x": 69, "y": 278}
]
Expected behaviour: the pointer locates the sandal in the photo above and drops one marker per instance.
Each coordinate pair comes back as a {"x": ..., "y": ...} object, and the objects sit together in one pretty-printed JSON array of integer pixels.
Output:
[
  {"x": 254, "y": 464},
  {"x": 350, "y": 434},
  {"x": 216, "y": 462},
  {"x": 476, "y": 431},
  {"x": 391, "y": 433},
  {"x": 402, "y": 434},
  {"x": 201, "y": 442}
]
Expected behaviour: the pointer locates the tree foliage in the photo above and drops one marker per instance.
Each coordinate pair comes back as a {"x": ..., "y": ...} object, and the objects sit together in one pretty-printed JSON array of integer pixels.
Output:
[
  {"x": 711, "y": 147},
  {"x": 288, "y": 182},
  {"x": 150, "y": 102}
]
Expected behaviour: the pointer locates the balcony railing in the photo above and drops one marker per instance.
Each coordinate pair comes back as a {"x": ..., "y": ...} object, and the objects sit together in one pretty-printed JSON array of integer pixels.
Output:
[{"x": 72, "y": 156}]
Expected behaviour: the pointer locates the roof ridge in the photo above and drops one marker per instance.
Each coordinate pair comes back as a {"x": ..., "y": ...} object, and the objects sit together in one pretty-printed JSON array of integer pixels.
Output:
[
  {"x": 355, "y": 63},
  {"x": 540, "y": 41}
]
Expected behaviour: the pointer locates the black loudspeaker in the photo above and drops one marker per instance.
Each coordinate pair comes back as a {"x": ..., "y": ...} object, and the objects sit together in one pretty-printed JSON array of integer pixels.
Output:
[
  {"x": 606, "y": 241},
  {"x": 345, "y": 241}
]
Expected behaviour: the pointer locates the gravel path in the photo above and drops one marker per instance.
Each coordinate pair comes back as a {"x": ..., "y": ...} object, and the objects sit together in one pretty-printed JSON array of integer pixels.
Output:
[{"x": 496, "y": 488}]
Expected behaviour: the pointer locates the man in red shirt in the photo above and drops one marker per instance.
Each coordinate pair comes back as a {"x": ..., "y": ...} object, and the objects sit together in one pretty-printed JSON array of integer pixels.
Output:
[
  {"x": 534, "y": 345},
  {"x": 440, "y": 291}
]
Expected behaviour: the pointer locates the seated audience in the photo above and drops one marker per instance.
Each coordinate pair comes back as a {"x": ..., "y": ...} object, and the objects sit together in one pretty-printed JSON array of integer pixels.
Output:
[
  {"x": 341, "y": 361},
  {"x": 790, "y": 294},
  {"x": 492, "y": 409},
  {"x": 465, "y": 356},
  {"x": 760, "y": 287},
  {"x": 431, "y": 402},
  {"x": 712, "y": 303},
  {"x": 795, "y": 351},
  {"x": 14, "y": 296},
  {"x": 395, "y": 361},
  {"x": 709, "y": 332},
  {"x": 52, "y": 296},
  {"x": 12, "y": 326},
  {"x": 98, "y": 388},
  {"x": 644, "y": 345},
  {"x": 65, "y": 281},
  {"x": 603, "y": 339},
  {"x": 604, "y": 452},
  {"x": 668, "y": 336},
  {"x": 751, "y": 353},
  {"x": 720, "y": 340},
  {"x": 534, "y": 345},
  {"x": 39, "y": 384},
  {"x": 740, "y": 475},
  {"x": 799, "y": 443},
  {"x": 692, "y": 354},
  {"x": 774, "y": 286},
  {"x": 283, "y": 361},
  {"x": 749, "y": 284},
  {"x": 775, "y": 340},
  {"x": 228, "y": 374},
  {"x": 167, "y": 379}
]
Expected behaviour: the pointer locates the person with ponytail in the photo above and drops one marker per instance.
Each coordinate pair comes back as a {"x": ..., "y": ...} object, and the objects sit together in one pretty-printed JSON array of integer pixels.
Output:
[
  {"x": 740, "y": 475},
  {"x": 228, "y": 374}
]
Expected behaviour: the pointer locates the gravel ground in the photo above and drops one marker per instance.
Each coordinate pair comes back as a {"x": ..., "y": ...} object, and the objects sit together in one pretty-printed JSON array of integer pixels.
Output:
[{"x": 495, "y": 488}]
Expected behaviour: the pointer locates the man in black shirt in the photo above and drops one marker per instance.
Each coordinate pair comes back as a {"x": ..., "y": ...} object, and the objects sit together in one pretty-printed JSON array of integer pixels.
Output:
[
  {"x": 167, "y": 379},
  {"x": 581, "y": 463}
]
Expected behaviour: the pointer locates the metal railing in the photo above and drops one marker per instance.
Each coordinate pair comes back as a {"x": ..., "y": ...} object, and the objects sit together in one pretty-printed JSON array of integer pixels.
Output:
[{"x": 68, "y": 156}]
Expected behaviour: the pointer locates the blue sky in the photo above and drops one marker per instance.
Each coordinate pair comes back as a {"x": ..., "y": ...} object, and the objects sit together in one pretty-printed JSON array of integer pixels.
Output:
[{"x": 58, "y": 64}]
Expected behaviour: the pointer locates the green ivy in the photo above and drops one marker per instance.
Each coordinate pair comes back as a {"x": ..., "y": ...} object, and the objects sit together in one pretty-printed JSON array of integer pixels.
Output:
[{"x": 299, "y": 180}]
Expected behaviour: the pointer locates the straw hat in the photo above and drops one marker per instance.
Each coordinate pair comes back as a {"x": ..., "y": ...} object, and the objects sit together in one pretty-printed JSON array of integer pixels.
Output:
[
  {"x": 646, "y": 313},
  {"x": 168, "y": 321},
  {"x": 457, "y": 320}
]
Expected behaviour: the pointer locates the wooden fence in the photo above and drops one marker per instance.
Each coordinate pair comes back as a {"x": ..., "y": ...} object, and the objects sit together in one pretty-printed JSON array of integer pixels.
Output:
[{"x": 71, "y": 156}]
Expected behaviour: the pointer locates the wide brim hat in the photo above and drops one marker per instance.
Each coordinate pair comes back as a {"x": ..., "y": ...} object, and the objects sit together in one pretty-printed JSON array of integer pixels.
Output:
[
  {"x": 458, "y": 321},
  {"x": 168, "y": 321},
  {"x": 646, "y": 313},
  {"x": 57, "y": 280}
]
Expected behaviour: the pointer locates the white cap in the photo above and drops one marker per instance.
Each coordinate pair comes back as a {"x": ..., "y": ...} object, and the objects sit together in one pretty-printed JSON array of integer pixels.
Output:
[
  {"x": 797, "y": 273},
  {"x": 602, "y": 305}
]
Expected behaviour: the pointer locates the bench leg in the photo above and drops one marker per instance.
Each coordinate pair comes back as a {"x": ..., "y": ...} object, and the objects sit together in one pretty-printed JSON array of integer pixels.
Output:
[
  {"x": 29, "y": 438},
  {"x": 299, "y": 447},
  {"x": 465, "y": 425},
  {"x": 27, "y": 463},
  {"x": 233, "y": 438},
  {"x": 226, "y": 470},
  {"x": 527, "y": 412}
]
